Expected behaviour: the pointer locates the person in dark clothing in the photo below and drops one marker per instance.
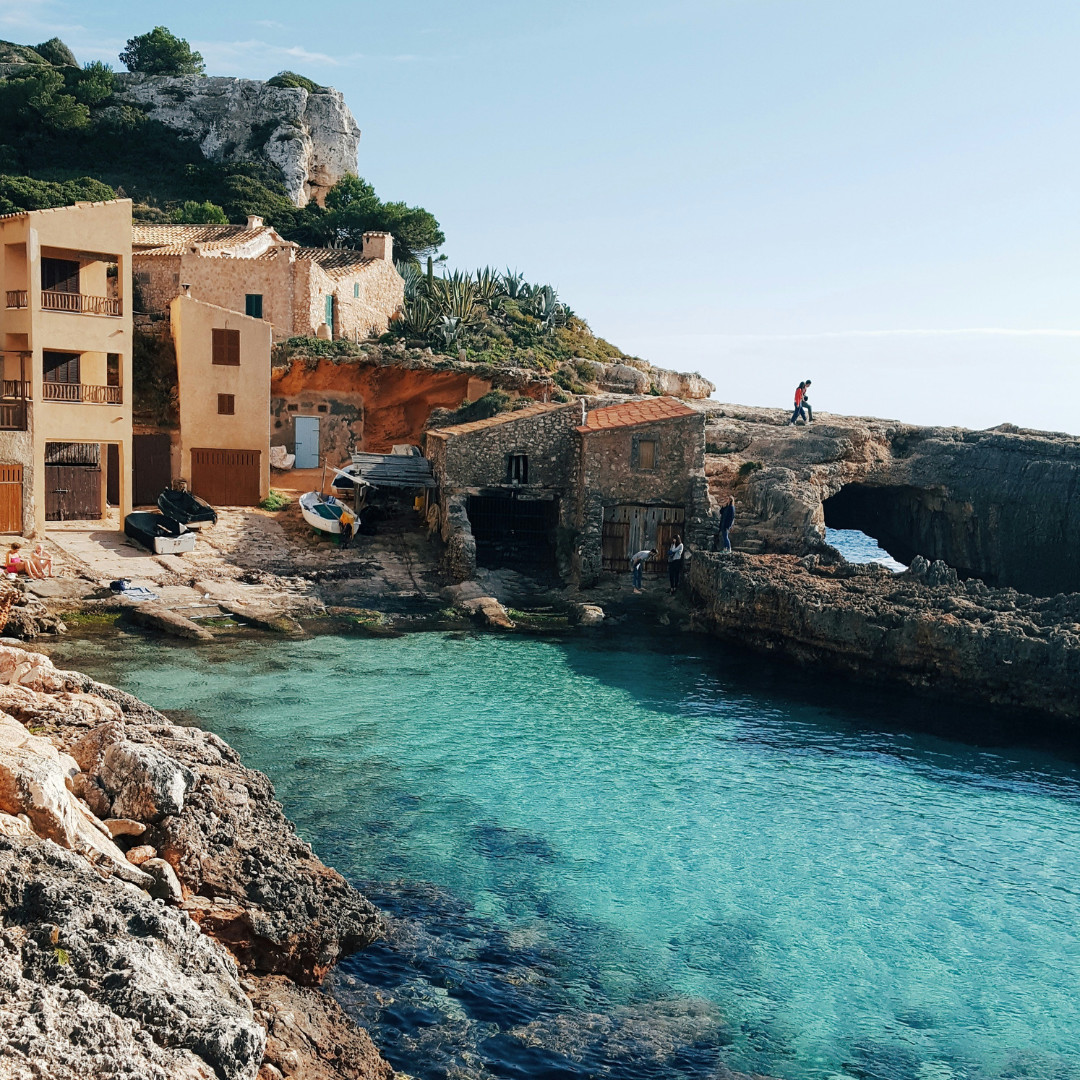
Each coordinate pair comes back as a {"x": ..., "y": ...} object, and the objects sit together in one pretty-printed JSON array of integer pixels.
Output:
[
  {"x": 800, "y": 390},
  {"x": 806, "y": 402},
  {"x": 727, "y": 519},
  {"x": 674, "y": 563}
]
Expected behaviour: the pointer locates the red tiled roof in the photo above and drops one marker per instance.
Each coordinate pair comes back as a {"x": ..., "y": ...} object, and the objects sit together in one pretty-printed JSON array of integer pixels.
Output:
[
  {"x": 498, "y": 419},
  {"x": 336, "y": 262},
  {"x": 629, "y": 413},
  {"x": 180, "y": 237}
]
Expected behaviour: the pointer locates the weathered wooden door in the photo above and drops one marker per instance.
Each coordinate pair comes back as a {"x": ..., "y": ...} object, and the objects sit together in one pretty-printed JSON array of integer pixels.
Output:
[
  {"x": 72, "y": 492},
  {"x": 226, "y": 477},
  {"x": 151, "y": 468},
  {"x": 307, "y": 442},
  {"x": 629, "y": 527},
  {"x": 11, "y": 492}
]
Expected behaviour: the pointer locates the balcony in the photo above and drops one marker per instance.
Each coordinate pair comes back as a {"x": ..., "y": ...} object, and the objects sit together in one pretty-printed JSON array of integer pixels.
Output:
[
  {"x": 84, "y": 393},
  {"x": 77, "y": 303},
  {"x": 17, "y": 298},
  {"x": 14, "y": 394}
]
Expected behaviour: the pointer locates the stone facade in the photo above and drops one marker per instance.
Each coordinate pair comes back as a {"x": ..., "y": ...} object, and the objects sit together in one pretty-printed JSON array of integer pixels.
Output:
[
  {"x": 299, "y": 287},
  {"x": 585, "y": 467}
]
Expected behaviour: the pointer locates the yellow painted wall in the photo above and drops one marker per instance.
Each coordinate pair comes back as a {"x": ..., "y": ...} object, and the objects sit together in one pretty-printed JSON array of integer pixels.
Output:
[
  {"x": 200, "y": 382},
  {"x": 95, "y": 234}
]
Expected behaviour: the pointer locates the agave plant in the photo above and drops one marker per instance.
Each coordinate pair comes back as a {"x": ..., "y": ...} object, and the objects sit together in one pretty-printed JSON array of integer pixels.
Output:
[
  {"x": 447, "y": 330},
  {"x": 513, "y": 283},
  {"x": 413, "y": 277},
  {"x": 489, "y": 286},
  {"x": 418, "y": 315},
  {"x": 454, "y": 296}
]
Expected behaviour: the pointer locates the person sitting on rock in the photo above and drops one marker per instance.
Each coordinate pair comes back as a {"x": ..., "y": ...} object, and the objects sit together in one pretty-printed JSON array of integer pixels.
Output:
[
  {"x": 727, "y": 519},
  {"x": 14, "y": 563},
  {"x": 42, "y": 561}
]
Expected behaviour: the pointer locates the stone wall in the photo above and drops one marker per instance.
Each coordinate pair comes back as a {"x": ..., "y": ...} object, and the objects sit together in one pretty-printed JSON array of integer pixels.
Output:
[{"x": 363, "y": 302}]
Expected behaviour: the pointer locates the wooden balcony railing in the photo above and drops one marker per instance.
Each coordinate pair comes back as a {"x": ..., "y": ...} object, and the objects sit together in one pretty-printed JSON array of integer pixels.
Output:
[
  {"x": 78, "y": 303},
  {"x": 16, "y": 298},
  {"x": 86, "y": 393},
  {"x": 13, "y": 415},
  {"x": 15, "y": 388}
]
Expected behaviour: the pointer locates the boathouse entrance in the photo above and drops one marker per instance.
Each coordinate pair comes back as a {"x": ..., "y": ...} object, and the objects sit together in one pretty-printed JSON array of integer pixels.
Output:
[{"x": 515, "y": 531}]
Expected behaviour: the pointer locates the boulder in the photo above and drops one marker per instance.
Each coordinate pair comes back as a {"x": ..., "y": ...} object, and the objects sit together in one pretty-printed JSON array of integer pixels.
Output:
[
  {"x": 166, "y": 884},
  {"x": 146, "y": 784}
]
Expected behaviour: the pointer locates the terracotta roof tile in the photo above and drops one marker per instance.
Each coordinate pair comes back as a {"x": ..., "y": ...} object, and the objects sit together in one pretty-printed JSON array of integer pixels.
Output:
[
  {"x": 501, "y": 418},
  {"x": 630, "y": 413},
  {"x": 336, "y": 262}
]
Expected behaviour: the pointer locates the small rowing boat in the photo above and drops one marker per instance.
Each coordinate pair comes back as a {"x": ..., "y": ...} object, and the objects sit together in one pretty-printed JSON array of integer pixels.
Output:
[
  {"x": 322, "y": 512},
  {"x": 160, "y": 534},
  {"x": 186, "y": 508}
]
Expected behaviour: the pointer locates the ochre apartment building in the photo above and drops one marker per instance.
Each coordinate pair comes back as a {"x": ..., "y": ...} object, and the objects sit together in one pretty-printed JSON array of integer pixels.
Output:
[{"x": 65, "y": 399}]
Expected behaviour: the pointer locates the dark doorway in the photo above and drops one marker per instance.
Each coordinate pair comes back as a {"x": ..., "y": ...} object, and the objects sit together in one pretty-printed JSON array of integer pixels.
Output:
[
  {"x": 515, "y": 532},
  {"x": 151, "y": 468},
  {"x": 112, "y": 474}
]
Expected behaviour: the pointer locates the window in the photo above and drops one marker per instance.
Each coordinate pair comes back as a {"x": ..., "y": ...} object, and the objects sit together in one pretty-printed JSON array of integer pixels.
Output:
[
  {"x": 356, "y": 290},
  {"x": 330, "y": 313},
  {"x": 517, "y": 469},
  {"x": 61, "y": 367},
  {"x": 226, "y": 404},
  {"x": 646, "y": 450},
  {"x": 59, "y": 275},
  {"x": 226, "y": 347},
  {"x": 112, "y": 370},
  {"x": 253, "y": 305}
]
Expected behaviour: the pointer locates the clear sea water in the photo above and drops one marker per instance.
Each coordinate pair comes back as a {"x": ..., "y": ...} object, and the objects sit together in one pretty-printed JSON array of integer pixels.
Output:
[
  {"x": 857, "y": 547},
  {"x": 656, "y": 858}
]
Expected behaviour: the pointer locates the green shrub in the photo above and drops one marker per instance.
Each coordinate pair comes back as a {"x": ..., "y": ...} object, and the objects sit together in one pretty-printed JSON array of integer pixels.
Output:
[
  {"x": 199, "y": 213},
  {"x": 55, "y": 52},
  {"x": 18, "y": 193},
  {"x": 276, "y": 500},
  {"x": 289, "y": 80}
]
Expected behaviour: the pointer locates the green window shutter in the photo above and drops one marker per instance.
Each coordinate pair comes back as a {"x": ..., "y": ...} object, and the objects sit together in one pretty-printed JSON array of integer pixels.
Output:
[
  {"x": 253, "y": 305},
  {"x": 356, "y": 290},
  {"x": 329, "y": 320}
]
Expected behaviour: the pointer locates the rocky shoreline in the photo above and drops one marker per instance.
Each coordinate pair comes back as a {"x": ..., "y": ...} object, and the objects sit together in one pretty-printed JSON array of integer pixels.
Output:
[
  {"x": 161, "y": 920},
  {"x": 923, "y": 629}
]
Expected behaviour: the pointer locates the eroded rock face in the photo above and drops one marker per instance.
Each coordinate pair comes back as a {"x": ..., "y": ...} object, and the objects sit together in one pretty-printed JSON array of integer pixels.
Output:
[
  {"x": 923, "y": 628},
  {"x": 113, "y": 976},
  {"x": 105, "y": 970},
  {"x": 311, "y": 138},
  {"x": 1000, "y": 505}
]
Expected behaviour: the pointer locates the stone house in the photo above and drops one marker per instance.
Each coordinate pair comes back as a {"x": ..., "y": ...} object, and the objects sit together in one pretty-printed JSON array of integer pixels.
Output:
[
  {"x": 65, "y": 397},
  {"x": 223, "y": 382},
  {"x": 562, "y": 488},
  {"x": 301, "y": 292},
  {"x": 641, "y": 481}
]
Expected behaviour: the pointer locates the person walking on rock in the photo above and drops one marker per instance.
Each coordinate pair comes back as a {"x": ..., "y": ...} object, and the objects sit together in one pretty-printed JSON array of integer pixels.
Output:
[
  {"x": 806, "y": 402},
  {"x": 727, "y": 519},
  {"x": 637, "y": 566},
  {"x": 674, "y": 564},
  {"x": 801, "y": 403}
]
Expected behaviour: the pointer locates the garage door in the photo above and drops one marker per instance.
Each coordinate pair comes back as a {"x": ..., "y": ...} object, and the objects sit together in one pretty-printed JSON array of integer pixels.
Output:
[
  {"x": 226, "y": 477},
  {"x": 11, "y": 481}
]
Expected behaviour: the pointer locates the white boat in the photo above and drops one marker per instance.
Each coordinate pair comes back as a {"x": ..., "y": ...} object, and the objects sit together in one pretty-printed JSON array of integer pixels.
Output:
[
  {"x": 322, "y": 512},
  {"x": 161, "y": 534}
]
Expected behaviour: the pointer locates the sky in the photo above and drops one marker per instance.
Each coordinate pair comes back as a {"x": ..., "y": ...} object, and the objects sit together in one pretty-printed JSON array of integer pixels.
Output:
[{"x": 879, "y": 196}]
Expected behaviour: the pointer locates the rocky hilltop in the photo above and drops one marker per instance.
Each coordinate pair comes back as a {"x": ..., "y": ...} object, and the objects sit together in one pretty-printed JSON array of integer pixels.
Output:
[
  {"x": 311, "y": 137},
  {"x": 159, "y": 917}
]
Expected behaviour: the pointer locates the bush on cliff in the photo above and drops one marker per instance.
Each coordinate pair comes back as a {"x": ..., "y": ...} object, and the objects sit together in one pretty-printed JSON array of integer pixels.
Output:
[
  {"x": 289, "y": 80},
  {"x": 19, "y": 193},
  {"x": 200, "y": 213}
]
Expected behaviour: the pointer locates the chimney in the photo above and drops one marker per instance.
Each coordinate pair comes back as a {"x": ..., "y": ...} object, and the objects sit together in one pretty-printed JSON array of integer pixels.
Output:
[
  {"x": 379, "y": 245},
  {"x": 254, "y": 222}
]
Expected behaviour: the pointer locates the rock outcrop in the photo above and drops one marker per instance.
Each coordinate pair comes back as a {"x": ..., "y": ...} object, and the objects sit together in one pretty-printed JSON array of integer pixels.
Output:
[
  {"x": 1000, "y": 505},
  {"x": 311, "y": 138},
  {"x": 150, "y": 890},
  {"x": 923, "y": 628}
]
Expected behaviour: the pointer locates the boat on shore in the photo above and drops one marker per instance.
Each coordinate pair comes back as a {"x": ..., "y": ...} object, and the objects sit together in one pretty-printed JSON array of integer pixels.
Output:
[
  {"x": 322, "y": 512},
  {"x": 186, "y": 508},
  {"x": 159, "y": 533}
]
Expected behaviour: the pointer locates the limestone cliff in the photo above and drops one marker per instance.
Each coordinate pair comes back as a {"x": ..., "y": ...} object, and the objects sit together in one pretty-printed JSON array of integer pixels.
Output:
[{"x": 311, "y": 138}]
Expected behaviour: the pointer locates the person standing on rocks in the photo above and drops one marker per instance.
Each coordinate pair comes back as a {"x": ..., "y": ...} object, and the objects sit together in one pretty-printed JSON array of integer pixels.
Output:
[
  {"x": 800, "y": 402},
  {"x": 637, "y": 566},
  {"x": 674, "y": 564},
  {"x": 806, "y": 402},
  {"x": 727, "y": 519}
]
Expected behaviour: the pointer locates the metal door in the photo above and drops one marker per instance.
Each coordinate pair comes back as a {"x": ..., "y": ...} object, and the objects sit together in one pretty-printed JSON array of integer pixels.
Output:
[
  {"x": 11, "y": 482},
  {"x": 307, "y": 442}
]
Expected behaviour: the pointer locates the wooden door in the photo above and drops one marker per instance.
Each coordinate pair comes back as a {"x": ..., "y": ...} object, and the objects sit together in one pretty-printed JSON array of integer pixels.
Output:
[
  {"x": 151, "y": 468},
  {"x": 629, "y": 527},
  {"x": 11, "y": 492},
  {"x": 226, "y": 477},
  {"x": 72, "y": 492}
]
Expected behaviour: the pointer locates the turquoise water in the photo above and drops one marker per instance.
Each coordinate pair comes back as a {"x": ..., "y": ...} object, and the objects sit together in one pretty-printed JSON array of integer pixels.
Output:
[
  {"x": 857, "y": 547},
  {"x": 657, "y": 859}
]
